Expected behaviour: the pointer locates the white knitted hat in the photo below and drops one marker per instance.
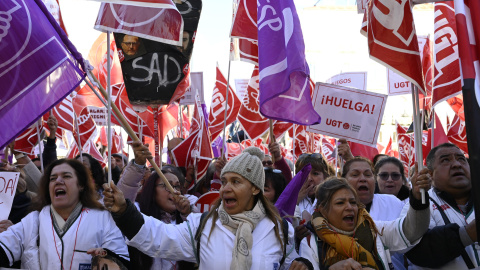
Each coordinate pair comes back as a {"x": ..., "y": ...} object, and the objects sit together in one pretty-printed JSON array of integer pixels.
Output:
[{"x": 249, "y": 166}]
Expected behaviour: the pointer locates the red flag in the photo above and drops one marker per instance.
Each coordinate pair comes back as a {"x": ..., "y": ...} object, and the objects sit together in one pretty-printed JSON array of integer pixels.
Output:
[
  {"x": 216, "y": 118},
  {"x": 328, "y": 150},
  {"x": 388, "y": 149},
  {"x": 301, "y": 140},
  {"x": 233, "y": 150},
  {"x": 98, "y": 59},
  {"x": 86, "y": 125},
  {"x": 363, "y": 150},
  {"x": 439, "y": 135},
  {"x": 456, "y": 103},
  {"x": 54, "y": 7},
  {"x": 196, "y": 149},
  {"x": 427, "y": 69},
  {"x": 457, "y": 134},
  {"x": 137, "y": 120},
  {"x": 26, "y": 142},
  {"x": 447, "y": 80},
  {"x": 252, "y": 122},
  {"x": 102, "y": 138},
  {"x": 405, "y": 147},
  {"x": 157, "y": 20},
  {"x": 392, "y": 40},
  {"x": 167, "y": 119},
  {"x": 280, "y": 127},
  {"x": 88, "y": 148},
  {"x": 63, "y": 111}
]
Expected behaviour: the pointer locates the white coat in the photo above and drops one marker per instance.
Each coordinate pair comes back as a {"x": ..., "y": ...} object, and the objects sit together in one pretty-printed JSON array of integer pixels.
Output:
[
  {"x": 176, "y": 243},
  {"x": 92, "y": 229},
  {"x": 392, "y": 239}
]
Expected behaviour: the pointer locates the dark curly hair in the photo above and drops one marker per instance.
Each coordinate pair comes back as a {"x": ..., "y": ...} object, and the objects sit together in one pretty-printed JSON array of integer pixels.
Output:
[
  {"x": 88, "y": 195},
  {"x": 95, "y": 169}
]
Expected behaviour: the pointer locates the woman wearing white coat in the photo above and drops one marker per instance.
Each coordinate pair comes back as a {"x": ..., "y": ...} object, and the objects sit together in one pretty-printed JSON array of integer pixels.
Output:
[
  {"x": 242, "y": 230},
  {"x": 69, "y": 222},
  {"x": 346, "y": 237}
]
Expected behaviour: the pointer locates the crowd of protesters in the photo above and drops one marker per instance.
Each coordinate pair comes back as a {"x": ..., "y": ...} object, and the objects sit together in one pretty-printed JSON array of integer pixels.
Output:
[{"x": 361, "y": 215}]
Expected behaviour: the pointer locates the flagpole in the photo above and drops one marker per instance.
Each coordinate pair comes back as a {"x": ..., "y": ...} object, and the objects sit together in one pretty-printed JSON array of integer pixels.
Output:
[
  {"x": 336, "y": 157},
  {"x": 434, "y": 122},
  {"x": 99, "y": 96},
  {"x": 40, "y": 146},
  {"x": 79, "y": 142},
  {"x": 226, "y": 105},
  {"x": 272, "y": 137},
  {"x": 181, "y": 119},
  {"x": 417, "y": 132},
  {"x": 131, "y": 133},
  {"x": 109, "y": 110},
  {"x": 155, "y": 132}
]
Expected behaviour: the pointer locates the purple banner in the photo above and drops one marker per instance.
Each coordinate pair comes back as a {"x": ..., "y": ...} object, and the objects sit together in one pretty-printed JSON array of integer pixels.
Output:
[
  {"x": 284, "y": 73},
  {"x": 36, "y": 69},
  {"x": 288, "y": 199}
]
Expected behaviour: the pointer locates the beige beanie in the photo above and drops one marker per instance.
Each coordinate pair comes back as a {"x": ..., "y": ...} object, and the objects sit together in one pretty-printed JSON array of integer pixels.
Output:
[{"x": 249, "y": 166}]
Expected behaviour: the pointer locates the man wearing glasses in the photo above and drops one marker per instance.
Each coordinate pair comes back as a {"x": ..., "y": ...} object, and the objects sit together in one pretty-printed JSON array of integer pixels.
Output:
[{"x": 130, "y": 45}]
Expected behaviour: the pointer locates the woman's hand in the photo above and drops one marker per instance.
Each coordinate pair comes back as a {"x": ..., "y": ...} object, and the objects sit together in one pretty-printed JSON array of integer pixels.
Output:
[
  {"x": 182, "y": 204},
  {"x": 344, "y": 150},
  {"x": 141, "y": 153},
  {"x": 306, "y": 188},
  {"x": 419, "y": 181},
  {"x": 113, "y": 199},
  {"x": 297, "y": 265},
  {"x": 347, "y": 264},
  {"x": 4, "y": 224}
]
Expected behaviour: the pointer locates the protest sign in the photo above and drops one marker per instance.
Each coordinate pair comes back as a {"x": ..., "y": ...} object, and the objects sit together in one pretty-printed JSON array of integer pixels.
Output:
[
  {"x": 8, "y": 187},
  {"x": 356, "y": 80},
  {"x": 348, "y": 113},
  {"x": 196, "y": 79},
  {"x": 397, "y": 85}
]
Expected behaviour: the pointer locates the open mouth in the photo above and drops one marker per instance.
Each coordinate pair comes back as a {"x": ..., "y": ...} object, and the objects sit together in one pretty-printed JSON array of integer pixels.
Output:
[
  {"x": 60, "y": 192},
  {"x": 229, "y": 202},
  {"x": 362, "y": 188},
  {"x": 348, "y": 219},
  {"x": 458, "y": 174}
]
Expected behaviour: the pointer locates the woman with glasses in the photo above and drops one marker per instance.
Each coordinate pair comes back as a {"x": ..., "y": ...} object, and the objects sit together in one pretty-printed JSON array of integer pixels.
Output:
[
  {"x": 390, "y": 178},
  {"x": 157, "y": 201},
  {"x": 241, "y": 231}
]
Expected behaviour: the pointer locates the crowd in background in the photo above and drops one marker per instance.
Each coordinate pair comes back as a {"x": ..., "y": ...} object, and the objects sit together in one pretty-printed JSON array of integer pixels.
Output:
[{"x": 363, "y": 214}]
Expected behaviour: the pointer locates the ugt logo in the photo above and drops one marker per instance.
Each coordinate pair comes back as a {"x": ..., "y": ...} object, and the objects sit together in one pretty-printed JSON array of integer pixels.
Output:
[{"x": 391, "y": 15}]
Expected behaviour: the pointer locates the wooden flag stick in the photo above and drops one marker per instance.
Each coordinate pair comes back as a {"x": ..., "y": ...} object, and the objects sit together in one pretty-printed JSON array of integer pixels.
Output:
[
  {"x": 131, "y": 133},
  {"x": 272, "y": 137}
]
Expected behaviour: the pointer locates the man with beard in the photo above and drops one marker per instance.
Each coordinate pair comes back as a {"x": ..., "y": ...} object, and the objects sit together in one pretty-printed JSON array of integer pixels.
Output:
[{"x": 451, "y": 242}]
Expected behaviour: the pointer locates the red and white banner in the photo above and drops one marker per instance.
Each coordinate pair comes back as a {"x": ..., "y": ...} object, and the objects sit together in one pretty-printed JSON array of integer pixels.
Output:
[
  {"x": 252, "y": 122},
  {"x": 392, "y": 40},
  {"x": 244, "y": 28},
  {"x": 241, "y": 86},
  {"x": 205, "y": 202},
  {"x": 196, "y": 86},
  {"x": 27, "y": 140},
  {"x": 457, "y": 134},
  {"x": 447, "y": 79},
  {"x": 197, "y": 148},
  {"x": 155, "y": 20},
  {"x": 218, "y": 116},
  {"x": 348, "y": 113},
  {"x": 362, "y": 6},
  {"x": 98, "y": 59},
  {"x": 357, "y": 80}
]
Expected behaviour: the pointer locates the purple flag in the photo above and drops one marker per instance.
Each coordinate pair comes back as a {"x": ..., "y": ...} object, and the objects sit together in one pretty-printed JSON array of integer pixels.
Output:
[
  {"x": 288, "y": 199},
  {"x": 284, "y": 73},
  {"x": 38, "y": 67}
]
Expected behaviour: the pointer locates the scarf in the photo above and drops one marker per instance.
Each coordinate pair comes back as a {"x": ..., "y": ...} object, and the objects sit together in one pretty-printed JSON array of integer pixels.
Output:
[
  {"x": 360, "y": 246},
  {"x": 242, "y": 225},
  {"x": 62, "y": 226}
]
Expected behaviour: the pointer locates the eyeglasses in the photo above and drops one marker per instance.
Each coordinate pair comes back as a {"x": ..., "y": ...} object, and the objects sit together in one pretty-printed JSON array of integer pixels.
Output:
[
  {"x": 131, "y": 44},
  {"x": 267, "y": 163},
  {"x": 273, "y": 170},
  {"x": 384, "y": 176},
  {"x": 177, "y": 188}
]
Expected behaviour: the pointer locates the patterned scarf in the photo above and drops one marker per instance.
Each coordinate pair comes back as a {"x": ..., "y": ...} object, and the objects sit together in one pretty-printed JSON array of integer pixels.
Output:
[
  {"x": 242, "y": 225},
  {"x": 360, "y": 246}
]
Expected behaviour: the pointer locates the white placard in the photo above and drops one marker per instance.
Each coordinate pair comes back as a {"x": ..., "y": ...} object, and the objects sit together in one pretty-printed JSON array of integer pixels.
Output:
[
  {"x": 348, "y": 113},
  {"x": 196, "y": 79},
  {"x": 99, "y": 115},
  {"x": 357, "y": 80},
  {"x": 241, "y": 86},
  {"x": 8, "y": 187},
  {"x": 397, "y": 85}
]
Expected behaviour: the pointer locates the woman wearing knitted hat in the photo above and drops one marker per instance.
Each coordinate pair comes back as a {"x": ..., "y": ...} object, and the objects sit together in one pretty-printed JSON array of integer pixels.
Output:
[{"x": 241, "y": 231}]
